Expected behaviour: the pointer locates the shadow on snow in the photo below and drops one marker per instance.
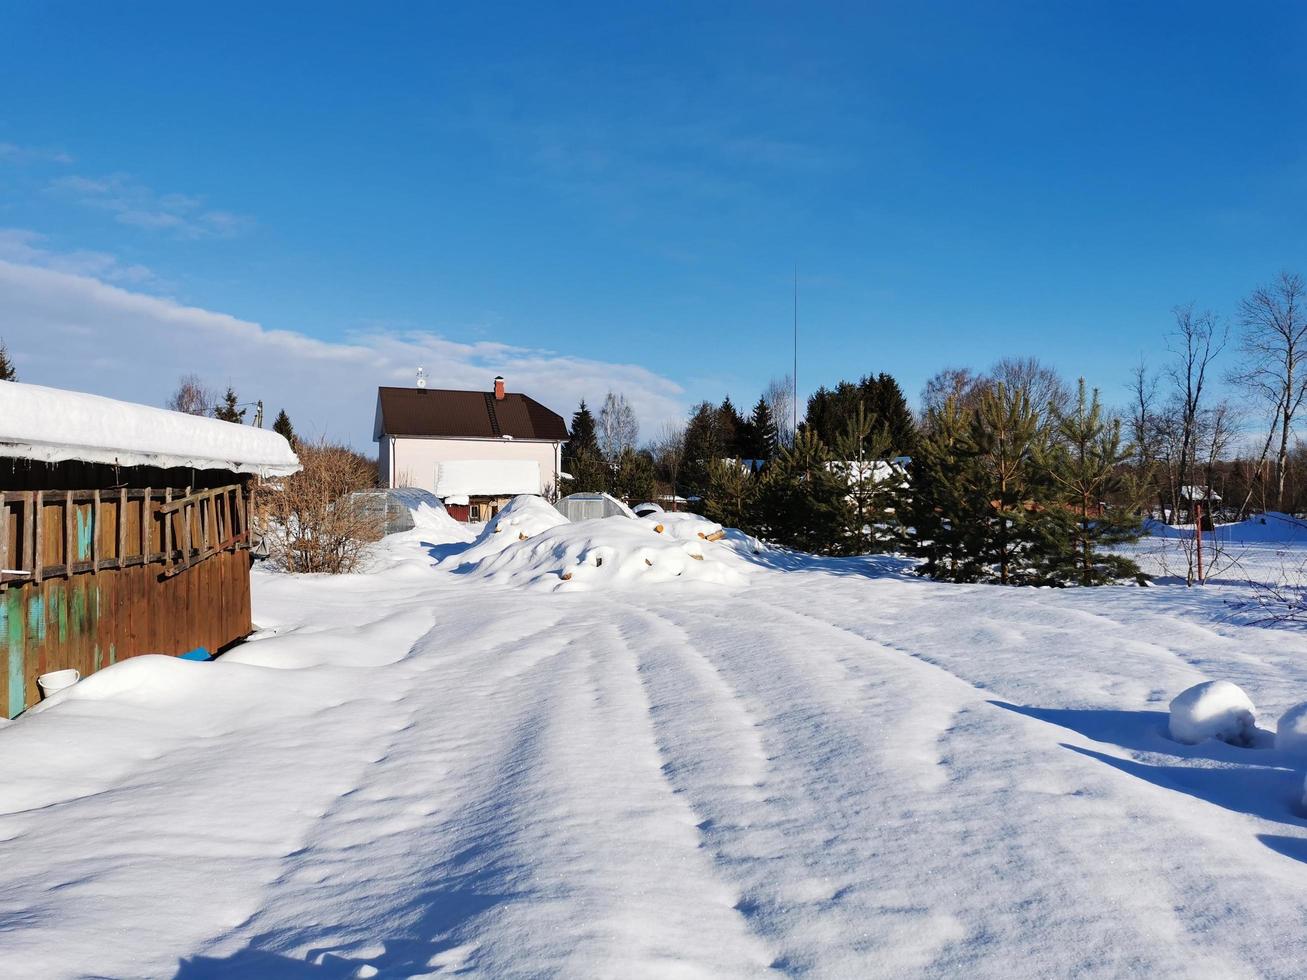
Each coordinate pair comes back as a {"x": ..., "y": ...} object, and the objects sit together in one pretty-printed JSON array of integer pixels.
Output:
[{"x": 1257, "y": 781}]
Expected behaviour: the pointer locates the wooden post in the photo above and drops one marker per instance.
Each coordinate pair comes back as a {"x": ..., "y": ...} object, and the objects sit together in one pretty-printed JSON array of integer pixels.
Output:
[
  {"x": 145, "y": 528},
  {"x": 167, "y": 529},
  {"x": 95, "y": 533},
  {"x": 36, "y": 522},
  {"x": 186, "y": 532},
  {"x": 122, "y": 526},
  {"x": 69, "y": 549},
  {"x": 4, "y": 538}
]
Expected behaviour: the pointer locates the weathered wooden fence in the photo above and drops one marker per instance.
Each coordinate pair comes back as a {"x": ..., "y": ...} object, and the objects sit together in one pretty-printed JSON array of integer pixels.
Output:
[{"x": 89, "y": 577}]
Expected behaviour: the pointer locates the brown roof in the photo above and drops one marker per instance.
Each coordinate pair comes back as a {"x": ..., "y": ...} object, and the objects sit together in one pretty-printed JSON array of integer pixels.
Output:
[{"x": 467, "y": 414}]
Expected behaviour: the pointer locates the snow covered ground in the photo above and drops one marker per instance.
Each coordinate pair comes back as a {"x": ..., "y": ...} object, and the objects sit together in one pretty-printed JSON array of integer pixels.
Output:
[{"x": 808, "y": 767}]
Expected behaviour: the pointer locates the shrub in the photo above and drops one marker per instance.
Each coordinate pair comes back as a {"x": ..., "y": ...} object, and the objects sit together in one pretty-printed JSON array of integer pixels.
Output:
[{"x": 311, "y": 522}]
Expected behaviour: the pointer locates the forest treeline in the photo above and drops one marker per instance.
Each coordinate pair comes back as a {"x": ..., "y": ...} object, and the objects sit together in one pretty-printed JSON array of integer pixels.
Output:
[{"x": 1010, "y": 475}]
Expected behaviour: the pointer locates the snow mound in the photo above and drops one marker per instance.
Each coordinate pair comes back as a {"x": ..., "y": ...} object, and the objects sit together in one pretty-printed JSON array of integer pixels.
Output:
[
  {"x": 684, "y": 526},
  {"x": 523, "y": 518},
  {"x": 1291, "y": 732},
  {"x": 1213, "y": 709},
  {"x": 607, "y": 552}
]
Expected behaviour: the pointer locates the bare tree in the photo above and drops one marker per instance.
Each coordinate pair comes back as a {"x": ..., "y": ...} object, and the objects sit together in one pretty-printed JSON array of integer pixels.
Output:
[
  {"x": 962, "y": 385},
  {"x": 779, "y": 396},
  {"x": 1274, "y": 343},
  {"x": 1195, "y": 342},
  {"x": 1143, "y": 416},
  {"x": 192, "y": 396},
  {"x": 617, "y": 428},
  {"x": 668, "y": 451},
  {"x": 1042, "y": 386}
]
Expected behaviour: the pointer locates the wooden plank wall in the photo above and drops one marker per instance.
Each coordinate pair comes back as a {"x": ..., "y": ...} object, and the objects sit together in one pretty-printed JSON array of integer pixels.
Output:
[{"x": 108, "y": 574}]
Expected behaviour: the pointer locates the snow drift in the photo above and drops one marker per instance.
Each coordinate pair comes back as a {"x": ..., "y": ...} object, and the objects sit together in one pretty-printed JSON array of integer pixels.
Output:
[
  {"x": 603, "y": 553},
  {"x": 53, "y": 425},
  {"x": 523, "y": 518},
  {"x": 1213, "y": 709},
  {"x": 1291, "y": 731}
]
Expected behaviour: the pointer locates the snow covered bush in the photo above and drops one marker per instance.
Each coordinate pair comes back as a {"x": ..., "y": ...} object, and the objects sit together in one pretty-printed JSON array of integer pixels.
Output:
[
  {"x": 309, "y": 522},
  {"x": 1291, "y": 732},
  {"x": 1213, "y": 709}
]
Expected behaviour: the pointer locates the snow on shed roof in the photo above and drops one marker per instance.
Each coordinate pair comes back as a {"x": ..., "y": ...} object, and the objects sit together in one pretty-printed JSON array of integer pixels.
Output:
[
  {"x": 52, "y": 425},
  {"x": 460, "y": 478}
]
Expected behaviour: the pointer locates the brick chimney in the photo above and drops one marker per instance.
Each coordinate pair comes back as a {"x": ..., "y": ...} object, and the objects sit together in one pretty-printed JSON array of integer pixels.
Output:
[{"x": 499, "y": 388}]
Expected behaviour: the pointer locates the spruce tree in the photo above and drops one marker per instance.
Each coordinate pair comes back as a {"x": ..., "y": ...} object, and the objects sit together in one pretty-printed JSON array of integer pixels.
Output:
[
  {"x": 1087, "y": 465},
  {"x": 582, "y": 460},
  {"x": 7, "y": 372},
  {"x": 889, "y": 408},
  {"x": 762, "y": 429},
  {"x": 227, "y": 410},
  {"x": 730, "y": 423},
  {"x": 281, "y": 425},
  {"x": 703, "y": 443}
]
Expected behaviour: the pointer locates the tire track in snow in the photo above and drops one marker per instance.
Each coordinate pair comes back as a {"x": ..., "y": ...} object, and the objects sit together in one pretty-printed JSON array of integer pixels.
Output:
[
  {"x": 522, "y": 828},
  {"x": 888, "y": 842}
]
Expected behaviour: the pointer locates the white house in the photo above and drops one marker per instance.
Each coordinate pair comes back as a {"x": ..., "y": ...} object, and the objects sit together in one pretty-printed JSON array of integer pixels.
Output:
[{"x": 475, "y": 450}]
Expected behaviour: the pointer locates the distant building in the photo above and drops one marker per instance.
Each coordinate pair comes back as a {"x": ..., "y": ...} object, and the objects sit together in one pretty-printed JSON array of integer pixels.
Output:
[{"x": 475, "y": 450}]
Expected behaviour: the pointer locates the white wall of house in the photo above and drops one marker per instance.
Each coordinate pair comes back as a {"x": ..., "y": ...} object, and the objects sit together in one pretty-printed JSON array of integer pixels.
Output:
[{"x": 411, "y": 461}]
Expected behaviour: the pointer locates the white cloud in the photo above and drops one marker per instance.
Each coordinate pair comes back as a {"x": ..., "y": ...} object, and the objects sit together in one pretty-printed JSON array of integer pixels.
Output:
[
  {"x": 29, "y": 247},
  {"x": 73, "y": 330},
  {"x": 134, "y": 204},
  {"x": 14, "y": 153}
]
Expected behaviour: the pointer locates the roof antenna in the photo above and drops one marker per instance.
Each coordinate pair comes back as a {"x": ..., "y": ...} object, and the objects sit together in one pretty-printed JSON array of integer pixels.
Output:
[{"x": 422, "y": 377}]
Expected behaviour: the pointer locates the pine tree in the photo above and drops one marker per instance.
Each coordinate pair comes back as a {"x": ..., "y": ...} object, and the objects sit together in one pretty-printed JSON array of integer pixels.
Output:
[
  {"x": 870, "y": 521},
  {"x": 227, "y": 410},
  {"x": 1087, "y": 464},
  {"x": 732, "y": 491},
  {"x": 1019, "y": 528},
  {"x": 7, "y": 372},
  {"x": 281, "y": 425},
  {"x": 582, "y": 459},
  {"x": 633, "y": 477},
  {"x": 941, "y": 509},
  {"x": 800, "y": 500}
]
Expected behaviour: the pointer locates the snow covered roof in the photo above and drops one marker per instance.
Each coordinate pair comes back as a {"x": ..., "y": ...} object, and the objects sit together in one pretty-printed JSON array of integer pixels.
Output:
[
  {"x": 1199, "y": 493},
  {"x": 52, "y": 425},
  {"x": 487, "y": 478}
]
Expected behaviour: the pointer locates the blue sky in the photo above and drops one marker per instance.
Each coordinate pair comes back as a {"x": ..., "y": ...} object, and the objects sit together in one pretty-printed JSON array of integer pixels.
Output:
[{"x": 621, "y": 193}]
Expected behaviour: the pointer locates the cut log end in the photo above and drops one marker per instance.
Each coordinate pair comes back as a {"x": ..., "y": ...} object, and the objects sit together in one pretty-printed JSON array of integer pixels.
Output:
[
  {"x": 658, "y": 528},
  {"x": 715, "y": 536},
  {"x": 566, "y": 576}
]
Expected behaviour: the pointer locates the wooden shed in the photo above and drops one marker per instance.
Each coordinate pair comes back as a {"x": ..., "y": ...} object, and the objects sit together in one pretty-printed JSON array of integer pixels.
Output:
[{"x": 124, "y": 530}]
